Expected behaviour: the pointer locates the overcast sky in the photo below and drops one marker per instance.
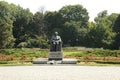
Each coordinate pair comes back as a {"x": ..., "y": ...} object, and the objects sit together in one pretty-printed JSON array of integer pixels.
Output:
[{"x": 93, "y": 6}]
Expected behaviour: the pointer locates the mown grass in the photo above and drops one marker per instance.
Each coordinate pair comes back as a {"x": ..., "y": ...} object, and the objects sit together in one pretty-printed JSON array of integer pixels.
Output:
[{"x": 15, "y": 64}]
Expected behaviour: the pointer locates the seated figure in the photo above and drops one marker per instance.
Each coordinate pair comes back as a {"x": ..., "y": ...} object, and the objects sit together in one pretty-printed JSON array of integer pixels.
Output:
[{"x": 55, "y": 42}]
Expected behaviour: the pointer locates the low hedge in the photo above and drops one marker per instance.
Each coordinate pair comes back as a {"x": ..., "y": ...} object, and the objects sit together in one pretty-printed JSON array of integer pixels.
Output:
[
  {"x": 16, "y": 62},
  {"x": 107, "y": 62}
]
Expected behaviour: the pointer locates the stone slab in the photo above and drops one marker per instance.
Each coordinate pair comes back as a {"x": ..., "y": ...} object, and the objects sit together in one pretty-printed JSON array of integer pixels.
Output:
[
  {"x": 40, "y": 61},
  {"x": 69, "y": 61}
]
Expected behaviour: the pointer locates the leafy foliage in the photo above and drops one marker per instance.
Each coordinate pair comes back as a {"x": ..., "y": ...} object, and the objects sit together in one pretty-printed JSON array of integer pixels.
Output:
[
  {"x": 20, "y": 28},
  {"x": 6, "y": 38},
  {"x": 21, "y": 24},
  {"x": 101, "y": 33},
  {"x": 75, "y": 13},
  {"x": 116, "y": 28},
  {"x": 75, "y": 23}
]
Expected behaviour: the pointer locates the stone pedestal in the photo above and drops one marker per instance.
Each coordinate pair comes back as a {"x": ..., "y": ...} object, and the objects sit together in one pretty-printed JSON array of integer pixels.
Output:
[{"x": 58, "y": 55}]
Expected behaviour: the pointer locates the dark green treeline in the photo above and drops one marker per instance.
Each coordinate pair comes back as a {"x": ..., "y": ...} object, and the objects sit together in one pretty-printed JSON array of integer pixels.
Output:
[{"x": 21, "y": 28}]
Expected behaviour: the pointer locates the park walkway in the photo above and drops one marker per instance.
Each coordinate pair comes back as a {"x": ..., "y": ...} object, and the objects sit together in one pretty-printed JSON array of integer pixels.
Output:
[{"x": 59, "y": 73}]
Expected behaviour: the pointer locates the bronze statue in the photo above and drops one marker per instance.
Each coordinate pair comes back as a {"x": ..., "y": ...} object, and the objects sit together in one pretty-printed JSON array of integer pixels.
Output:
[{"x": 55, "y": 42}]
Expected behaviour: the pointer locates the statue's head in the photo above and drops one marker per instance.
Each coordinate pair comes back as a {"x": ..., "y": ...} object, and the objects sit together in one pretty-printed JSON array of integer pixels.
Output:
[{"x": 56, "y": 33}]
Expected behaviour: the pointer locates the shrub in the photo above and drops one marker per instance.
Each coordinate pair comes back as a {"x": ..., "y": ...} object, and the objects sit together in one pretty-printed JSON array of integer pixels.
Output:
[
  {"x": 38, "y": 41},
  {"x": 9, "y": 58},
  {"x": 23, "y": 57},
  {"x": 73, "y": 54},
  {"x": 22, "y": 45},
  {"x": 1, "y": 56}
]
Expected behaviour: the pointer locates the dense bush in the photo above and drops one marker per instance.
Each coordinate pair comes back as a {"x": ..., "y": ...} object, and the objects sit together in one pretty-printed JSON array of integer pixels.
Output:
[
  {"x": 104, "y": 53},
  {"x": 24, "y": 51},
  {"x": 82, "y": 51},
  {"x": 73, "y": 52}
]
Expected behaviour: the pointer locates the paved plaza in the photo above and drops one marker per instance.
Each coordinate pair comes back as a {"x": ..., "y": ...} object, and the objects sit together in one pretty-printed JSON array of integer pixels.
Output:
[{"x": 59, "y": 73}]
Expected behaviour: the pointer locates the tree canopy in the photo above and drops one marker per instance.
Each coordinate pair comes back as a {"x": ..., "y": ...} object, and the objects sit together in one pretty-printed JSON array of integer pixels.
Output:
[
  {"x": 21, "y": 28},
  {"x": 6, "y": 35}
]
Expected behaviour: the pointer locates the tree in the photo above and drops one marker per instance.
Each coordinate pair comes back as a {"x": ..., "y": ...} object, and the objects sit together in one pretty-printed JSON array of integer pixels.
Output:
[
  {"x": 116, "y": 29},
  {"x": 102, "y": 34},
  {"x": 37, "y": 31},
  {"x": 70, "y": 28},
  {"x": 21, "y": 24},
  {"x": 37, "y": 25},
  {"x": 54, "y": 22},
  {"x": 90, "y": 37},
  {"x": 75, "y": 13},
  {"x": 75, "y": 23},
  {"x": 6, "y": 38},
  {"x": 112, "y": 17},
  {"x": 116, "y": 26}
]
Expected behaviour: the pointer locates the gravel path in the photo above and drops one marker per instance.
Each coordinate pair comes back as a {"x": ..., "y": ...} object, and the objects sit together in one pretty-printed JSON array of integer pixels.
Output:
[{"x": 59, "y": 73}]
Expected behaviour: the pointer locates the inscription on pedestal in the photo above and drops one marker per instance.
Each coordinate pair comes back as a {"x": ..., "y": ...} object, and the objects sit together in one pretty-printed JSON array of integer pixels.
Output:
[{"x": 55, "y": 55}]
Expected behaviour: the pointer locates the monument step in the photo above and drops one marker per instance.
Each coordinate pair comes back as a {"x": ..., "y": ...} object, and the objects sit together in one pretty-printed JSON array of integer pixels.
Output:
[
  {"x": 40, "y": 61},
  {"x": 69, "y": 61},
  {"x": 47, "y": 61}
]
